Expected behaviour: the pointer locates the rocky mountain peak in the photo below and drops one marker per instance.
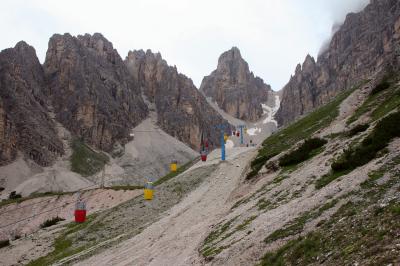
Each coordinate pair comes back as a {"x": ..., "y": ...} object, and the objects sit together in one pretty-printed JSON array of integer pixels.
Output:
[
  {"x": 181, "y": 110},
  {"x": 25, "y": 124},
  {"x": 90, "y": 86},
  {"x": 233, "y": 66},
  {"x": 235, "y": 89},
  {"x": 309, "y": 64},
  {"x": 23, "y": 47},
  {"x": 364, "y": 46},
  {"x": 98, "y": 43}
]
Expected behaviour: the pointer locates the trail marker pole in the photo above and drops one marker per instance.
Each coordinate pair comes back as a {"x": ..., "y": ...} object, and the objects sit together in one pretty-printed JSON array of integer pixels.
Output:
[
  {"x": 222, "y": 128},
  {"x": 241, "y": 133}
]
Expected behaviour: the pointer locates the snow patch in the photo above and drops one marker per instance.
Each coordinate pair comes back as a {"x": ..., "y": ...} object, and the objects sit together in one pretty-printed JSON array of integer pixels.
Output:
[
  {"x": 253, "y": 131},
  {"x": 229, "y": 144},
  {"x": 271, "y": 111}
]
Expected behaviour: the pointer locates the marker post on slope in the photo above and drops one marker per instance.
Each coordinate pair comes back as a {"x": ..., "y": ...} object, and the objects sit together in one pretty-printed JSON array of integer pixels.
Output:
[
  {"x": 222, "y": 140},
  {"x": 241, "y": 132}
]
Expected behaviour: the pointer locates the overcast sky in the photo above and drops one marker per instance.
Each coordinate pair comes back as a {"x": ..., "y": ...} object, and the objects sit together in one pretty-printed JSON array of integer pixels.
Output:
[{"x": 273, "y": 35}]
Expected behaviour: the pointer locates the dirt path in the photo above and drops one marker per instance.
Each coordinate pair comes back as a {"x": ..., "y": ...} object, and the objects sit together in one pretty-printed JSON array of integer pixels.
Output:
[{"x": 175, "y": 239}]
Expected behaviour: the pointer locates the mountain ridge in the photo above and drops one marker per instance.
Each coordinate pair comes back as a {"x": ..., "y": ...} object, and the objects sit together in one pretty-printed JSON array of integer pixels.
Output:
[
  {"x": 366, "y": 44},
  {"x": 235, "y": 88}
]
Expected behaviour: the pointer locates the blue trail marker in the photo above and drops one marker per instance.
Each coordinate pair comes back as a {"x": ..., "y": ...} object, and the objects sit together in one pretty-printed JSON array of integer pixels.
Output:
[
  {"x": 222, "y": 129},
  {"x": 241, "y": 132}
]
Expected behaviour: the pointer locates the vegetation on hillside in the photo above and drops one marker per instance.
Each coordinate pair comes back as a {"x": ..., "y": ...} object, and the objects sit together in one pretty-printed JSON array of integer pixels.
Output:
[
  {"x": 387, "y": 129},
  {"x": 362, "y": 230},
  {"x": 384, "y": 98},
  {"x": 63, "y": 245},
  {"x": 5, "y": 202},
  {"x": 297, "y": 131},
  {"x": 302, "y": 153},
  {"x": 357, "y": 129},
  {"x": 51, "y": 222},
  {"x": 85, "y": 161},
  {"x": 4, "y": 243},
  {"x": 353, "y": 157}
]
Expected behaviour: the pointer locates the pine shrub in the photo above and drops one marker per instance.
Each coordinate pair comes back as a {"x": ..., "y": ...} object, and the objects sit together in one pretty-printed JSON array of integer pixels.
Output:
[
  {"x": 387, "y": 129},
  {"x": 51, "y": 222},
  {"x": 303, "y": 152}
]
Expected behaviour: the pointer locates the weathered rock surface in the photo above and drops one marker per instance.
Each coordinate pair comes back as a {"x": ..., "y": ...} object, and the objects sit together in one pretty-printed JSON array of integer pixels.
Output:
[
  {"x": 235, "y": 89},
  {"x": 90, "y": 88},
  {"x": 365, "y": 45},
  {"x": 182, "y": 111},
  {"x": 25, "y": 124}
]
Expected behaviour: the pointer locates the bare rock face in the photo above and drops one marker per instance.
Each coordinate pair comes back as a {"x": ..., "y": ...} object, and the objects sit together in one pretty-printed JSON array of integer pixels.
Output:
[
  {"x": 25, "y": 124},
  {"x": 236, "y": 90},
  {"x": 367, "y": 44},
  {"x": 181, "y": 110},
  {"x": 92, "y": 93}
]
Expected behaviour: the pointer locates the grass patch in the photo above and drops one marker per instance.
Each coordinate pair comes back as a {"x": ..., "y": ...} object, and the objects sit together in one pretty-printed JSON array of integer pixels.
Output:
[
  {"x": 387, "y": 129},
  {"x": 245, "y": 223},
  {"x": 293, "y": 228},
  {"x": 258, "y": 163},
  {"x": 262, "y": 204},
  {"x": 171, "y": 175},
  {"x": 297, "y": 131},
  {"x": 32, "y": 196},
  {"x": 209, "y": 252},
  {"x": 300, "y": 251},
  {"x": 279, "y": 179},
  {"x": 391, "y": 102},
  {"x": 218, "y": 232},
  {"x": 84, "y": 160},
  {"x": 302, "y": 153},
  {"x": 63, "y": 245},
  {"x": 364, "y": 230},
  {"x": 127, "y": 187},
  {"x": 382, "y": 99},
  {"x": 296, "y": 226},
  {"x": 383, "y": 85},
  {"x": 216, "y": 236},
  {"x": 365, "y": 237},
  {"x": 51, "y": 222},
  {"x": 13, "y": 196},
  {"x": 329, "y": 177},
  {"x": 395, "y": 209},
  {"x": 373, "y": 176}
]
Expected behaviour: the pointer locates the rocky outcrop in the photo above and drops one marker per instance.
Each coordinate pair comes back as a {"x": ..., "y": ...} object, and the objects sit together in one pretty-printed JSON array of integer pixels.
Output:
[
  {"x": 235, "y": 89},
  {"x": 182, "y": 111},
  {"x": 365, "y": 45},
  {"x": 90, "y": 88},
  {"x": 25, "y": 124}
]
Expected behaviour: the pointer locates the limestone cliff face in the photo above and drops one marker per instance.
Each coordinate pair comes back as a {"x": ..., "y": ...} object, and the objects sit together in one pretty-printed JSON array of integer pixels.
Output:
[
  {"x": 236, "y": 90},
  {"x": 90, "y": 88},
  {"x": 367, "y": 44},
  {"x": 25, "y": 124},
  {"x": 182, "y": 111}
]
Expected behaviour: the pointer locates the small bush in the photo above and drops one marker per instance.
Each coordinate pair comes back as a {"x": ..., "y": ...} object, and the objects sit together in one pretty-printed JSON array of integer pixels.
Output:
[
  {"x": 357, "y": 129},
  {"x": 51, "y": 222},
  {"x": 387, "y": 129},
  {"x": 14, "y": 195},
  {"x": 257, "y": 164},
  {"x": 383, "y": 85},
  {"x": 303, "y": 152},
  {"x": 4, "y": 243}
]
